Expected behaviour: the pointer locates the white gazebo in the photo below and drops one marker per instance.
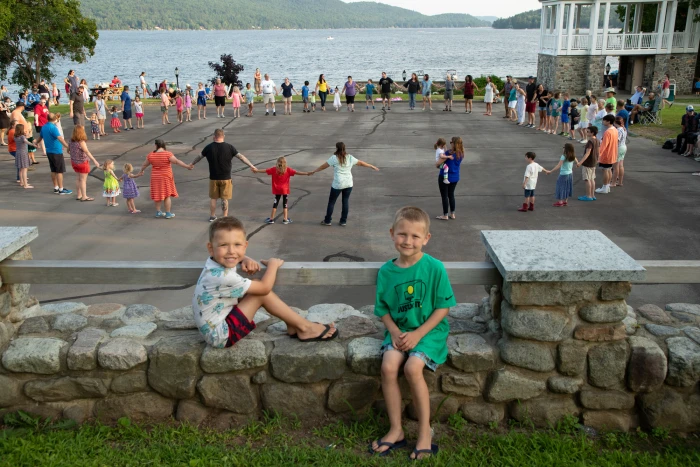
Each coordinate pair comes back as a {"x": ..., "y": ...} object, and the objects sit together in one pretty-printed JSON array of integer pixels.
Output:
[{"x": 650, "y": 37}]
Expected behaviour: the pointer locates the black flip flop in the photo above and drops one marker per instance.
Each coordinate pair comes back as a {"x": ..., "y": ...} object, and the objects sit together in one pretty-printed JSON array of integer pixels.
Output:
[
  {"x": 320, "y": 337},
  {"x": 391, "y": 446},
  {"x": 432, "y": 451}
]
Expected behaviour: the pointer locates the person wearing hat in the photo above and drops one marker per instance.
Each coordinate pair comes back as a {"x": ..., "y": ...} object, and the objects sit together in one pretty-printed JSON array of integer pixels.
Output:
[
  {"x": 610, "y": 97},
  {"x": 507, "y": 86},
  {"x": 688, "y": 136}
]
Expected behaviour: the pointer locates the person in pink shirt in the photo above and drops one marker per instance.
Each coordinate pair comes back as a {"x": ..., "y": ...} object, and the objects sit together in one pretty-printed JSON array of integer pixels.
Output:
[
  {"x": 179, "y": 106},
  {"x": 41, "y": 118},
  {"x": 219, "y": 98},
  {"x": 164, "y": 104}
]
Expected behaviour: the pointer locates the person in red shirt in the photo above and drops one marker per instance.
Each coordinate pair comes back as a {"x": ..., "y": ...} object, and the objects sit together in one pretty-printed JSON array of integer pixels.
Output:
[
  {"x": 116, "y": 82},
  {"x": 41, "y": 118},
  {"x": 280, "y": 186}
]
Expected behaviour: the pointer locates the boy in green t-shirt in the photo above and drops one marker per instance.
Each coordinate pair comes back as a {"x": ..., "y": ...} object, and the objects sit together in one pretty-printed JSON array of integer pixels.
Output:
[{"x": 413, "y": 298}]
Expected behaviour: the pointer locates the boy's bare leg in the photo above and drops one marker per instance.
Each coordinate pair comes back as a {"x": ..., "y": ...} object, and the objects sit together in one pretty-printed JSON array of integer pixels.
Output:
[
  {"x": 391, "y": 363},
  {"x": 413, "y": 370},
  {"x": 296, "y": 324}
]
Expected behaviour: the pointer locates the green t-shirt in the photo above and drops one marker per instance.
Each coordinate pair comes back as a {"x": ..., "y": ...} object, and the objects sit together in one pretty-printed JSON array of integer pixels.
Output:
[
  {"x": 410, "y": 295},
  {"x": 611, "y": 100}
]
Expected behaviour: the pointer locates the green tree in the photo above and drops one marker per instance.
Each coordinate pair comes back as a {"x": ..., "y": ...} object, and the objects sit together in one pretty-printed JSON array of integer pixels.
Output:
[{"x": 36, "y": 32}]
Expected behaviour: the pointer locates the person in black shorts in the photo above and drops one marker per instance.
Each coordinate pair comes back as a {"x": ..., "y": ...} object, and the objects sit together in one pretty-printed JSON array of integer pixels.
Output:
[{"x": 385, "y": 89}]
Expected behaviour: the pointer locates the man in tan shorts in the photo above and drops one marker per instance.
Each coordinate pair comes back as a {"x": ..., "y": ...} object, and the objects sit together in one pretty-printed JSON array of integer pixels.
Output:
[{"x": 220, "y": 156}]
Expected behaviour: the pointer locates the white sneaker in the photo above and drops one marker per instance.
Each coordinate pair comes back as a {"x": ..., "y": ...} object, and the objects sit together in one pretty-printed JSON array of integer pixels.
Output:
[{"x": 600, "y": 190}]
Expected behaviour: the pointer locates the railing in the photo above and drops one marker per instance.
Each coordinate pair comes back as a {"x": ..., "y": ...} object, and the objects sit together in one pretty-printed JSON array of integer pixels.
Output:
[
  {"x": 624, "y": 43},
  {"x": 549, "y": 42},
  {"x": 580, "y": 42},
  {"x": 291, "y": 274},
  {"x": 564, "y": 42},
  {"x": 679, "y": 40}
]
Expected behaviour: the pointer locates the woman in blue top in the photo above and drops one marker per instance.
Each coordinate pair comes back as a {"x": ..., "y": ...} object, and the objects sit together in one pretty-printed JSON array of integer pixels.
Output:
[{"x": 447, "y": 191}]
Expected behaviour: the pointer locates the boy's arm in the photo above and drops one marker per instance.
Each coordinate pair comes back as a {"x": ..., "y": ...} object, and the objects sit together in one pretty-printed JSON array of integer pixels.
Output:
[
  {"x": 525, "y": 181},
  {"x": 264, "y": 286},
  {"x": 408, "y": 340},
  {"x": 585, "y": 156},
  {"x": 393, "y": 329}
]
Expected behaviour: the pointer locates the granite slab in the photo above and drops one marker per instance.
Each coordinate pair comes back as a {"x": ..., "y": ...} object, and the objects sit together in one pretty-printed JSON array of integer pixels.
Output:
[
  {"x": 13, "y": 239},
  {"x": 559, "y": 255}
]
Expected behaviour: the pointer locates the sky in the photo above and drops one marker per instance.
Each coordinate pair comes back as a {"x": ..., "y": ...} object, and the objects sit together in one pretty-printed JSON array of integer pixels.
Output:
[{"x": 503, "y": 8}]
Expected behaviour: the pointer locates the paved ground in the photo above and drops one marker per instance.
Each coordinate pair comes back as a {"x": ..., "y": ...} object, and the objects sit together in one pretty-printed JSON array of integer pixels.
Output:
[{"x": 654, "y": 216}]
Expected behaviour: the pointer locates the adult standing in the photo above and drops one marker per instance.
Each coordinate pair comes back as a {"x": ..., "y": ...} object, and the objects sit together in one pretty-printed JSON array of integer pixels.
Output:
[
  {"x": 219, "y": 98},
  {"x": 342, "y": 164},
  {"x": 350, "y": 91},
  {"x": 666, "y": 91},
  {"x": 77, "y": 107},
  {"x": 412, "y": 86},
  {"x": 385, "y": 89},
  {"x": 610, "y": 97},
  {"x": 101, "y": 111},
  {"x": 507, "y": 87},
  {"x": 41, "y": 117},
  {"x": 269, "y": 91},
  {"x": 449, "y": 93},
  {"x": 287, "y": 91},
  {"x": 126, "y": 109},
  {"x": 608, "y": 152},
  {"x": 530, "y": 101},
  {"x": 4, "y": 119},
  {"x": 80, "y": 158},
  {"x": 17, "y": 117},
  {"x": 542, "y": 100},
  {"x": 521, "y": 96},
  {"x": 72, "y": 83},
  {"x": 489, "y": 91},
  {"x": 219, "y": 155},
  {"x": 165, "y": 105},
  {"x": 54, "y": 144},
  {"x": 426, "y": 87},
  {"x": 447, "y": 190},
  {"x": 619, "y": 166},
  {"x": 256, "y": 80},
  {"x": 322, "y": 90},
  {"x": 44, "y": 91},
  {"x": 143, "y": 85},
  {"x": 162, "y": 180},
  {"x": 469, "y": 88}
]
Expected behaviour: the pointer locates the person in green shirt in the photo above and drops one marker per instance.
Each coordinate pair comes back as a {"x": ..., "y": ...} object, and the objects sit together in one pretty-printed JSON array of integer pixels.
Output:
[
  {"x": 610, "y": 97},
  {"x": 413, "y": 298}
]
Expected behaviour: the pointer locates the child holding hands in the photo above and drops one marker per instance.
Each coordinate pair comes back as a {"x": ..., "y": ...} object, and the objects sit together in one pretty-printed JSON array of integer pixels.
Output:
[
  {"x": 565, "y": 183},
  {"x": 530, "y": 181},
  {"x": 413, "y": 299},
  {"x": 280, "y": 186}
]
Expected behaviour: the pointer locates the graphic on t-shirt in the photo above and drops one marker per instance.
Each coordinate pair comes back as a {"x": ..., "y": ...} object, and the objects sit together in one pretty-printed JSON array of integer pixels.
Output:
[{"x": 410, "y": 295}]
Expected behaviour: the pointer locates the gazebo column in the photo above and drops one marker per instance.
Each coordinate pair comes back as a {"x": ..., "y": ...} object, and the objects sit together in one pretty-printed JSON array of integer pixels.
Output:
[
  {"x": 689, "y": 25},
  {"x": 637, "y": 22},
  {"x": 660, "y": 24},
  {"x": 570, "y": 29},
  {"x": 559, "y": 26},
  {"x": 671, "y": 25},
  {"x": 606, "y": 22},
  {"x": 595, "y": 14}
]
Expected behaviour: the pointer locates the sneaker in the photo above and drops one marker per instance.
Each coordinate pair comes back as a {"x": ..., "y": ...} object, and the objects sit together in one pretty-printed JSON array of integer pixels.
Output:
[
  {"x": 274, "y": 114},
  {"x": 55, "y": 191},
  {"x": 63, "y": 191},
  {"x": 159, "y": 214},
  {"x": 212, "y": 218},
  {"x": 373, "y": 108},
  {"x": 287, "y": 221},
  {"x": 269, "y": 221},
  {"x": 169, "y": 215},
  {"x": 445, "y": 181},
  {"x": 325, "y": 223},
  {"x": 697, "y": 158},
  {"x": 267, "y": 113},
  {"x": 342, "y": 224}
]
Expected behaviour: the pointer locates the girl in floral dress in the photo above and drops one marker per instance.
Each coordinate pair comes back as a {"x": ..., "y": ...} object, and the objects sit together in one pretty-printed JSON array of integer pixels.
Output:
[
  {"x": 111, "y": 184},
  {"x": 130, "y": 191}
]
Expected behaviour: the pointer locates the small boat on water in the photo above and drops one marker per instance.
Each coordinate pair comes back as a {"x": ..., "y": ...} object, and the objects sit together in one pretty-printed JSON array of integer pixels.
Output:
[{"x": 329, "y": 38}]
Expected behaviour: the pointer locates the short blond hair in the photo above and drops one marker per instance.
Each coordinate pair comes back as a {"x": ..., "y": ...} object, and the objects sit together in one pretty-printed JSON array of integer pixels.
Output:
[{"x": 412, "y": 214}]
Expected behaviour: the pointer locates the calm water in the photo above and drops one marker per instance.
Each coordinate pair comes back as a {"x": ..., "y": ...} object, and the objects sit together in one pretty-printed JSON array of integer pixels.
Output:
[{"x": 304, "y": 54}]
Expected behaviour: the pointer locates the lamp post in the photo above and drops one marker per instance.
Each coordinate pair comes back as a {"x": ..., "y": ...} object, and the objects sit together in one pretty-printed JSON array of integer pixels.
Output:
[
  {"x": 403, "y": 75},
  {"x": 177, "y": 78}
]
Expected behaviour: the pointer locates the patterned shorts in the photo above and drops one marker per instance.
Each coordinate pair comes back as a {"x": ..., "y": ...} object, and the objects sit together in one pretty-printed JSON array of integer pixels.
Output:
[
  {"x": 431, "y": 365},
  {"x": 238, "y": 326}
]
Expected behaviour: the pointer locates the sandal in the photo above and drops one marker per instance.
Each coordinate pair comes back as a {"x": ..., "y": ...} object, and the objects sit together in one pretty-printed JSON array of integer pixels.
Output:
[
  {"x": 432, "y": 451},
  {"x": 320, "y": 337},
  {"x": 87, "y": 199},
  {"x": 452, "y": 216},
  {"x": 443, "y": 218},
  {"x": 392, "y": 446}
]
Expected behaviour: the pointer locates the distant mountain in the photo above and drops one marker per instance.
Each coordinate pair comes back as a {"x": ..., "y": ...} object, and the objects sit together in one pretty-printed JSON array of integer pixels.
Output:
[
  {"x": 490, "y": 19},
  {"x": 527, "y": 20},
  {"x": 263, "y": 14}
]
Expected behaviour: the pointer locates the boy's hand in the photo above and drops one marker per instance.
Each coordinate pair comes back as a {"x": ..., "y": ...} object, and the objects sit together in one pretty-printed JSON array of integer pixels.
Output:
[
  {"x": 249, "y": 266},
  {"x": 408, "y": 340},
  {"x": 275, "y": 263}
]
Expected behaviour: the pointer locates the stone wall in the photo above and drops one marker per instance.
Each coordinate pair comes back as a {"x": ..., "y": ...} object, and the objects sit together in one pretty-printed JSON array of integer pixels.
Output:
[
  {"x": 575, "y": 74},
  {"x": 530, "y": 351}
]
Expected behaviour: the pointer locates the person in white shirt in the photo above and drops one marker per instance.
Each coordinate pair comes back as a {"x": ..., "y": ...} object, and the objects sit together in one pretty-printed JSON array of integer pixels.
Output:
[
  {"x": 142, "y": 79},
  {"x": 269, "y": 91},
  {"x": 530, "y": 181}
]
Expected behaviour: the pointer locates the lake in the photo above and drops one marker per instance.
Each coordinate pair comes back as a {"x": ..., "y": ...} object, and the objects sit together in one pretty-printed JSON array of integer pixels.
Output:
[{"x": 304, "y": 54}]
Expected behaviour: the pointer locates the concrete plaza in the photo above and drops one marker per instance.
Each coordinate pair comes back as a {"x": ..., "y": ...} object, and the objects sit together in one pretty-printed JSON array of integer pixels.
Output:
[{"x": 654, "y": 216}]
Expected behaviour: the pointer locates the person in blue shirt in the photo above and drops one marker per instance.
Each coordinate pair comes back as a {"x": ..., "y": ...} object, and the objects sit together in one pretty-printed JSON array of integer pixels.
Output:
[
  {"x": 126, "y": 109},
  {"x": 54, "y": 144},
  {"x": 305, "y": 96},
  {"x": 33, "y": 99},
  {"x": 622, "y": 112},
  {"x": 636, "y": 103},
  {"x": 369, "y": 94}
]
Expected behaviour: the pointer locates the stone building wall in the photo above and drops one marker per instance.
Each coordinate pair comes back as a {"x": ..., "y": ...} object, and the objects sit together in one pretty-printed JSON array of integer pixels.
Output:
[{"x": 575, "y": 74}]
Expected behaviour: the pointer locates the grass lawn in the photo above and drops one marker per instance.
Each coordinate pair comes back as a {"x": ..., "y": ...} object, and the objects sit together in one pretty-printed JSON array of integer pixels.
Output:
[
  {"x": 279, "y": 442},
  {"x": 671, "y": 117}
]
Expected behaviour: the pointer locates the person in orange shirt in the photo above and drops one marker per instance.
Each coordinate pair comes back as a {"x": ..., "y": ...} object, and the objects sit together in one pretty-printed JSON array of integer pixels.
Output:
[{"x": 607, "y": 152}]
